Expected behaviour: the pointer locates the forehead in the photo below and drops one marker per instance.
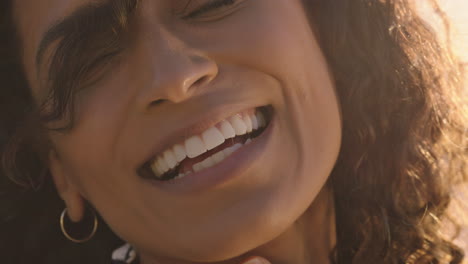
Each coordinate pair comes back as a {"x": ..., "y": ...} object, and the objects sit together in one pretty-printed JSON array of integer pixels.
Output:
[{"x": 33, "y": 18}]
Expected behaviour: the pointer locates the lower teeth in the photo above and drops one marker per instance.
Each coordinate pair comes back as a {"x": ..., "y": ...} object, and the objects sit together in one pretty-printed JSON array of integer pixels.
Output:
[{"x": 214, "y": 159}]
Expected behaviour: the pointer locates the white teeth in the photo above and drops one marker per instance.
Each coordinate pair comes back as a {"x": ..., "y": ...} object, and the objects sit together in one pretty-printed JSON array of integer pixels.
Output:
[
  {"x": 170, "y": 159},
  {"x": 248, "y": 123},
  {"x": 156, "y": 169},
  {"x": 212, "y": 138},
  {"x": 227, "y": 151},
  {"x": 162, "y": 165},
  {"x": 218, "y": 157},
  {"x": 179, "y": 176},
  {"x": 239, "y": 125},
  {"x": 227, "y": 130},
  {"x": 180, "y": 152},
  {"x": 197, "y": 167},
  {"x": 194, "y": 147},
  {"x": 254, "y": 122},
  {"x": 260, "y": 119},
  {"x": 230, "y": 150},
  {"x": 236, "y": 147},
  {"x": 208, "y": 162}
]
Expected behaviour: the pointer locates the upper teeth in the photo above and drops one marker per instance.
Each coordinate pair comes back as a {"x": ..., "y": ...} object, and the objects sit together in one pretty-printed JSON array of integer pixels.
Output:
[{"x": 196, "y": 145}]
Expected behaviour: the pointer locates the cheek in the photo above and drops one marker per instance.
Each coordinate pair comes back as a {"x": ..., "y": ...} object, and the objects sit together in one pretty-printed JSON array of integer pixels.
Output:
[
  {"x": 287, "y": 50},
  {"x": 106, "y": 184},
  {"x": 87, "y": 165},
  {"x": 308, "y": 110},
  {"x": 89, "y": 151}
]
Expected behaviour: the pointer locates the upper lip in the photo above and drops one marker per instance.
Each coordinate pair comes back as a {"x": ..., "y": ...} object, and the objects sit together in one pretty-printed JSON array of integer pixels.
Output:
[{"x": 198, "y": 123}]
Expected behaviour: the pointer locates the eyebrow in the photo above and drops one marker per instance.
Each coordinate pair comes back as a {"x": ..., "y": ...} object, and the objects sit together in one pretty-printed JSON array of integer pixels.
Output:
[
  {"x": 60, "y": 29},
  {"x": 79, "y": 23},
  {"x": 84, "y": 44}
]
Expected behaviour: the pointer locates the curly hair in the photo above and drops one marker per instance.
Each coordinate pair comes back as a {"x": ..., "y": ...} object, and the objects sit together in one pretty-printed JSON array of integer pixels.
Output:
[
  {"x": 404, "y": 140},
  {"x": 403, "y": 131}
]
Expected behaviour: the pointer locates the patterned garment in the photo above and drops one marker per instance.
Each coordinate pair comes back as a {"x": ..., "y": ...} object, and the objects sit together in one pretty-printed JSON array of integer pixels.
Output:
[{"x": 125, "y": 255}]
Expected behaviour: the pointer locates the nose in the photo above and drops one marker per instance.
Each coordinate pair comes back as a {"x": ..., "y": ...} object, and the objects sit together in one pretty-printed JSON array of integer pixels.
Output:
[{"x": 178, "y": 71}]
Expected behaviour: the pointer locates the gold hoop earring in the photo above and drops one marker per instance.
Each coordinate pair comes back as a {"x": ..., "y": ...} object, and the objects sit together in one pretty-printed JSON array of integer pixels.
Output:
[{"x": 67, "y": 235}]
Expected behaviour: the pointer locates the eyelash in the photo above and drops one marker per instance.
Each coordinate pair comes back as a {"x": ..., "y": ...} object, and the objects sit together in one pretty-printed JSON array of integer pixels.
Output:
[{"x": 210, "y": 6}]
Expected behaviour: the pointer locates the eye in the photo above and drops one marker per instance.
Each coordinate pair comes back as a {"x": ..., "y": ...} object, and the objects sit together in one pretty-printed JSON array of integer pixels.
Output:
[{"x": 211, "y": 8}]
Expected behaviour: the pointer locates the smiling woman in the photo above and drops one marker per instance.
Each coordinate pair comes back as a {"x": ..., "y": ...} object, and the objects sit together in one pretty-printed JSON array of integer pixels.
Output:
[{"x": 211, "y": 131}]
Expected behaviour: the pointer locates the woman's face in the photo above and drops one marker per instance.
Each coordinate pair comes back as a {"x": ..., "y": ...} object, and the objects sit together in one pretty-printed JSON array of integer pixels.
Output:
[{"x": 187, "y": 69}]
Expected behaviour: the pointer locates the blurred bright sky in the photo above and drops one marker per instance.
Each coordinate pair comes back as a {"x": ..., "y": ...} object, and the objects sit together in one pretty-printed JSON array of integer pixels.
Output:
[{"x": 457, "y": 10}]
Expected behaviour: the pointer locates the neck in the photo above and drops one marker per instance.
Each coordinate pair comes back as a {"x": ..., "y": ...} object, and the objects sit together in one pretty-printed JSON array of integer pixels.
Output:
[{"x": 309, "y": 240}]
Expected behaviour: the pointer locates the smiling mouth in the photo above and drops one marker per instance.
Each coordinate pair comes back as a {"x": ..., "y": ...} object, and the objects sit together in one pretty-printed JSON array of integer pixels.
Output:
[{"x": 203, "y": 151}]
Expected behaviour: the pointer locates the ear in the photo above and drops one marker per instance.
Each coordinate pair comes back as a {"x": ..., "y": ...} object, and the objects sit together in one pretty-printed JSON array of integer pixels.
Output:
[{"x": 66, "y": 190}]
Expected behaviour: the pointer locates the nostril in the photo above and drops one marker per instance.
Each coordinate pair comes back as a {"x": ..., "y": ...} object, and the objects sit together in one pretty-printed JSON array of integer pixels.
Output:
[
  {"x": 157, "y": 102},
  {"x": 201, "y": 81}
]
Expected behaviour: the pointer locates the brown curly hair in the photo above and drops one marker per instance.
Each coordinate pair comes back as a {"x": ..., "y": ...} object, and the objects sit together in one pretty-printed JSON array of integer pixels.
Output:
[{"x": 404, "y": 140}]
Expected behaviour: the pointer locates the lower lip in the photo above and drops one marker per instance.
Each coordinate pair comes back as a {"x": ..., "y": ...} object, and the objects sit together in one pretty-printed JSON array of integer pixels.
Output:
[{"x": 230, "y": 169}]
